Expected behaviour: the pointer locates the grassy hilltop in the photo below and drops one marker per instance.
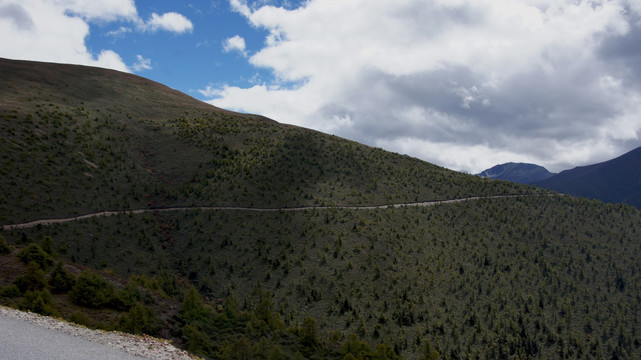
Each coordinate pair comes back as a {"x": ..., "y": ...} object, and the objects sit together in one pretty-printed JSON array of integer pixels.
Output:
[{"x": 536, "y": 276}]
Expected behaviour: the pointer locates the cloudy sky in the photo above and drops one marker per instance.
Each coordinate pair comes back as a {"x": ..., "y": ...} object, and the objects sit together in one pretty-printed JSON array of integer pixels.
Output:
[{"x": 465, "y": 84}]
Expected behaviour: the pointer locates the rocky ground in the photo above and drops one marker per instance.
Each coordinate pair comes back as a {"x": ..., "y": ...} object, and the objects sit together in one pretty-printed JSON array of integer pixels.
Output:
[{"x": 144, "y": 346}]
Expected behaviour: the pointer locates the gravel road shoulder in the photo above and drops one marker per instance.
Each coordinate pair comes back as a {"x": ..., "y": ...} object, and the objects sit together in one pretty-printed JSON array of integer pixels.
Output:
[{"x": 30, "y": 336}]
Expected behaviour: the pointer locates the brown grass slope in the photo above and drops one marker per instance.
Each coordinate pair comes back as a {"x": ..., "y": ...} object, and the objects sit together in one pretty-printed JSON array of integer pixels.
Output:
[{"x": 109, "y": 90}]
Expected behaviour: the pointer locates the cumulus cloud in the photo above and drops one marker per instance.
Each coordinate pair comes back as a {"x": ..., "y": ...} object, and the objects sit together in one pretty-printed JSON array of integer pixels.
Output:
[
  {"x": 465, "y": 84},
  {"x": 101, "y": 10},
  {"x": 141, "y": 64},
  {"x": 235, "y": 43},
  {"x": 55, "y": 31},
  {"x": 171, "y": 21},
  {"x": 16, "y": 14},
  {"x": 241, "y": 7}
]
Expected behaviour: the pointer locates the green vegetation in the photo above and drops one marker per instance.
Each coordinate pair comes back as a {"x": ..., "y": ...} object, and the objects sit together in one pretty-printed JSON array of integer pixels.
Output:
[
  {"x": 33, "y": 279},
  {"x": 4, "y": 247},
  {"x": 140, "y": 319},
  {"x": 90, "y": 299},
  {"x": 34, "y": 253},
  {"x": 66, "y": 153},
  {"x": 61, "y": 279},
  {"x": 534, "y": 276},
  {"x": 530, "y": 276},
  {"x": 92, "y": 290}
]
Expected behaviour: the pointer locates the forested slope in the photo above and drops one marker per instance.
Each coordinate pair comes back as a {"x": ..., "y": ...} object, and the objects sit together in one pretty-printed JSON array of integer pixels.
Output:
[
  {"x": 536, "y": 275},
  {"x": 539, "y": 277}
]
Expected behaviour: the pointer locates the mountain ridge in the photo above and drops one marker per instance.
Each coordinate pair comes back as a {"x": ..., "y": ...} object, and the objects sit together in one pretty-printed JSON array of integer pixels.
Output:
[
  {"x": 522, "y": 173},
  {"x": 615, "y": 181},
  {"x": 180, "y": 151},
  {"x": 328, "y": 281}
]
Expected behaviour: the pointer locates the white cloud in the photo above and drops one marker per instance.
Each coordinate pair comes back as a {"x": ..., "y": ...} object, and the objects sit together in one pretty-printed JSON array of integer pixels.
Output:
[
  {"x": 48, "y": 31},
  {"x": 209, "y": 91},
  {"x": 470, "y": 80},
  {"x": 17, "y": 15},
  {"x": 240, "y": 6},
  {"x": 55, "y": 30},
  {"x": 121, "y": 31},
  {"x": 110, "y": 60},
  {"x": 141, "y": 64},
  {"x": 171, "y": 21},
  {"x": 101, "y": 10},
  {"x": 235, "y": 43}
]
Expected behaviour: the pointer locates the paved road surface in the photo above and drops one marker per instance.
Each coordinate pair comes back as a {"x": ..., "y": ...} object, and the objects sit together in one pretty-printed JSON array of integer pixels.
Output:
[{"x": 21, "y": 340}]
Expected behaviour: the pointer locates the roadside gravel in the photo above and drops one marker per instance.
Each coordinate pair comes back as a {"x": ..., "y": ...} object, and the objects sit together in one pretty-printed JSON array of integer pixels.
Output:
[{"x": 30, "y": 336}]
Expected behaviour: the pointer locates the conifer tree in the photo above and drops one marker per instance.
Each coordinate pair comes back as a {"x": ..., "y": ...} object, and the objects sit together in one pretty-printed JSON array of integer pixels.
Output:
[
  {"x": 33, "y": 278},
  {"x": 61, "y": 280}
]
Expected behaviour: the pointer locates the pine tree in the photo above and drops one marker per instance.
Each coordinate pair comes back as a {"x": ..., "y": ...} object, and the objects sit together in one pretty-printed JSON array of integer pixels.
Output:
[
  {"x": 309, "y": 332},
  {"x": 428, "y": 352},
  {"x": 33, "y": 279},
  {"x": 61, "y": 280},
  {"x": 193, "y": 307}
]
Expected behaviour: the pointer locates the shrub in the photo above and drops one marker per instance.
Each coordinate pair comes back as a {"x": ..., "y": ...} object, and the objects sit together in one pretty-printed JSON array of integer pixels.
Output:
[
  {"x": 196, "y": 341},
  {"x": 384, "y": 351},
  {"x": 47, "y": 245},
  {"x": 193, "y": 307},
  {"x": 428, "y": 352},
  {"x": 35, "y": 253},
  {"x": 309, "y": 332},
  {"x": 32, "y": 280},
  {"x": 81, "y": 318},
  {"x": 4, "y": 247},
  {"x": 61, "y": 280},
  {"x": 238, "y": 349},
  {"x": 276, "y": 353},
  {"x": 39, "y": 302},
  {"x": 140, "y": 319},
  {"x": 10, "y": 291},
  {"x": 91, "y": 290},
  {"x": 356, "y": 347},
  {"x": 119, "y": 300}
]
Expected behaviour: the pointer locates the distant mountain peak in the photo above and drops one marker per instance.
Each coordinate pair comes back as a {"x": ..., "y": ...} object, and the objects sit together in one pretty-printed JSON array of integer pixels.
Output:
[
  {"x": 522, "y": 173},
  {"x": 615, "y": 181}
]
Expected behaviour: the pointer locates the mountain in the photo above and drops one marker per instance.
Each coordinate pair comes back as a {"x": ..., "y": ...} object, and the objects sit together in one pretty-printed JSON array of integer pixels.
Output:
[
  {"x": 521, "y": 173},
  {"x": 232, "y": 234},
  {"x": 614, "y": 181},
  {"x": 79, "y": 140}
]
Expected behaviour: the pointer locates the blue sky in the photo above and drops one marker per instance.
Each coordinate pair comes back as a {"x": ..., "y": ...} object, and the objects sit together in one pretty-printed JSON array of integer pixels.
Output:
[
  {"x": 189, "y": 60},
  {"x": 466, "y": 84}
]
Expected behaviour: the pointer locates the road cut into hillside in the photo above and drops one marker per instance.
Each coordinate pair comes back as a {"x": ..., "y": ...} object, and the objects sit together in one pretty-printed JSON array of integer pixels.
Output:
[{"x": 44, "y": 222}]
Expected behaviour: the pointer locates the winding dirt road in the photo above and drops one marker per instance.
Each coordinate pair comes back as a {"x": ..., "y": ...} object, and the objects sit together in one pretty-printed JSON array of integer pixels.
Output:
[{"x": 239, "y": 208}]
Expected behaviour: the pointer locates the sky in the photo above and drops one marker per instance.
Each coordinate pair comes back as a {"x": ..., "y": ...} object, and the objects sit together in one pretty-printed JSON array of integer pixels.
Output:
[{"x": 465, "y": 84}]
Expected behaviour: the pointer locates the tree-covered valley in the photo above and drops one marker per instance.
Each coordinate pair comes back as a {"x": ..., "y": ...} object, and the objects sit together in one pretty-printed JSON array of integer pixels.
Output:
[{"x": 513, "y": 272}]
